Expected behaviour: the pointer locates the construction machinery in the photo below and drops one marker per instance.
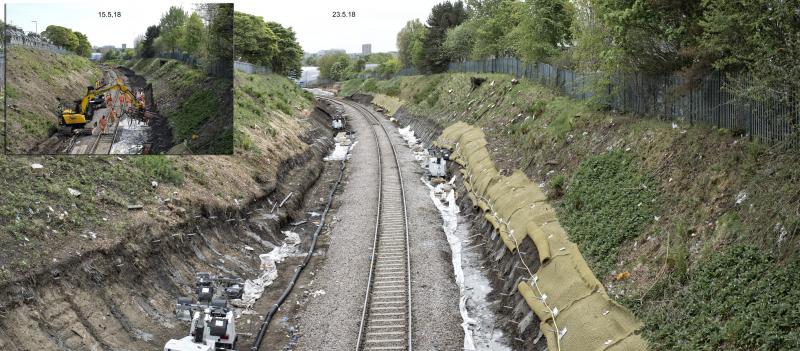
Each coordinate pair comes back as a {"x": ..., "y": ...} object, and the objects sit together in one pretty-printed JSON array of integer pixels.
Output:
[
  {"x": 73, "y": 120},
  {"x": 437, "y": 162},
  {"x": 213, "y": 322}
]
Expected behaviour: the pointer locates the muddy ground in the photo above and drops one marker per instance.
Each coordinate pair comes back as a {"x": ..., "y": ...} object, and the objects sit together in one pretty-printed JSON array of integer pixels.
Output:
[
  {"x": 160, "y": 129},
  {"x": 122, "y": 297},
  {"x": 160, "y": 136}
]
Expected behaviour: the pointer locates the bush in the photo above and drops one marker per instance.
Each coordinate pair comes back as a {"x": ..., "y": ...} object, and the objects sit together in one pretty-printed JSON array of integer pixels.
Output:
[
  {"x": 740, "y": 298},
  {"x": 608, "y": 201},
  {"x": 370, "y": 86}
]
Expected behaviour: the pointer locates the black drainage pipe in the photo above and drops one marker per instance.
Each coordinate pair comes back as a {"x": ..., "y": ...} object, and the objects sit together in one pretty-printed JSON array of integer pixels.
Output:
[{"x": 268, "y": 317}]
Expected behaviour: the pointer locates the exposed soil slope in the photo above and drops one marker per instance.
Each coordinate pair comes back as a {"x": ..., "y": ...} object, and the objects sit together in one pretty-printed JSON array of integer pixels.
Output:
[
  {"x": 199, "y": 107},
  {"x": 83, "y": 271},
  {"x": 36, "y": 80}
]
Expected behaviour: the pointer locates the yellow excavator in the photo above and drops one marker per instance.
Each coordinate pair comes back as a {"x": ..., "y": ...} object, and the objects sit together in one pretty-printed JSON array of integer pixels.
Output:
[{"x": 73, "y": 120}]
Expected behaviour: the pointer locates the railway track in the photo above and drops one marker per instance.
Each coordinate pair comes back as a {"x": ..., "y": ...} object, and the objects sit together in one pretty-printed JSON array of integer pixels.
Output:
[
  {"x": 102, "y": 143},
  {"x": 386, "y": 316}
]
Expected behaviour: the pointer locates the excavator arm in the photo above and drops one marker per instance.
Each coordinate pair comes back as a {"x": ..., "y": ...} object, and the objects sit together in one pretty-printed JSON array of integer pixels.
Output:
[{"x": 122, "y": 88}]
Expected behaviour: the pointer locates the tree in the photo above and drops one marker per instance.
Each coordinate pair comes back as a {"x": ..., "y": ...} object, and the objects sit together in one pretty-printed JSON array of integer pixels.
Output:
[
  {"x": 357, "y": 65},
  {"x": 111, "y": 55},
  {"x": 287, "y": 60},
  {"x": 389, "y": 67},
  {"x": 148, "y": 49},
  {"x": 220, "y": 45},
  {"x": 253, "y": 40},
  {"x": 311, "y": 60},
  {"x": 84, "y": 48},
  {"x": 194, "y": 35},
  {"x": 413, "y": 32},
  {"x": 460, "y": 41},
  {"x": 443, "y": 16},
  {"x": 544, "y": 29},
  {"x": 137, "y": 44},
  {"x": 757, "y": 40},
  {"x": 495, "y": 24},
  {"x": 333, "y": 66},
  {"x": 652, "y": 36},
  {"x": 378, "y": 57},
  {"x": 172, "y": 27},
  {"x": 61, "y": 36}
]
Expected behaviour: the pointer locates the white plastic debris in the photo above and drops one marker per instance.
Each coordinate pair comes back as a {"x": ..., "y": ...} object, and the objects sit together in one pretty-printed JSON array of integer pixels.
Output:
[
  {"x": 154, "y": 183},
  {"x": 340, "y": 151},
  {"x": 562, "y": 332},
  {"x": 740, "y": 197},
  {"x": 36, "y": 166},
  {"x": 74, "y": 192},
  {"x": 674, "y": 125},
  {"x": 254, "y": 288}
]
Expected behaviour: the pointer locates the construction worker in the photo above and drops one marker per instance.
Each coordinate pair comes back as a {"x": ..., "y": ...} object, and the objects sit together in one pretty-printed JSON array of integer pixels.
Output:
[
  {"x": 103, "y": 124},
  {"x": 113, "y": 117},
  {"x": 109, "y": 101}
]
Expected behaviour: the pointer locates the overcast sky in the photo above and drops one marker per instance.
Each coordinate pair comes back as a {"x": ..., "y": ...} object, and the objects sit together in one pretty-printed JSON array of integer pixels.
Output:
[
  {"x": 83, "y": 17},
  {"x": 376, "y": 22}
]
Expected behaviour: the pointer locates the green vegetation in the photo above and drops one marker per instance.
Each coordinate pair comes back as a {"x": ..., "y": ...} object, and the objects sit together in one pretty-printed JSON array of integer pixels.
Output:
[
  {"x": 338, "y": 66},
  {"x": 193, "y": 113},
  {"x": 607, "y": 202},
  {"x": 68, "y": 39},
  {"x": 754, "y": 44},
  {"x": 409, "y": 43},
  {"x": 33, "y": 116},
  {"x": 267, "y": 43},
  {"x": 37, "y": 202},
  {"x": 262, "y": 103},
  {"x": 160, "y": 168},
  {"x": 204, "y": 35},
  {"x": 53, "y": 66},
  {"x": 738, "y": 298},
  {"x": 423, "y": 46},
  {"x": 704, "y": 193},
  {"x": 197, "y": 107}
]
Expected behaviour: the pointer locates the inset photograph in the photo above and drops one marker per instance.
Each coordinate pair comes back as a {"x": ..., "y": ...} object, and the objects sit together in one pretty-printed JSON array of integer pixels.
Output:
[{"x": 125, "y": 79}]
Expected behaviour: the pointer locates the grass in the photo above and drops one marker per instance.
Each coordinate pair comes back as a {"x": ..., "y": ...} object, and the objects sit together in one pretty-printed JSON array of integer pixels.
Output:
[
  {"x": 34, "y": 113},
  {"x": 49, "y": 66},
  {"x": 159, "y": 168},
  {"x": 263, "y": 103},
  {"x": 31, "y": 194}
]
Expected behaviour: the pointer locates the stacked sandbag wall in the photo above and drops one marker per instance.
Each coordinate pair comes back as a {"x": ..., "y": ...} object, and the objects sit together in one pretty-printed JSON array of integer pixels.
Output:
[{"x": 539, "y": 275}]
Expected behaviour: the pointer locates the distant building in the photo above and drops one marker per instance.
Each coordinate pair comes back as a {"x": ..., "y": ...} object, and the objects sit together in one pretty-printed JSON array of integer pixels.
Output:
[
  {"x": 366, "y": 49},
  {"x": 371, "y": 66},
  {"x": 124, "y": 46},
  {"x": 96, "y": 56}
]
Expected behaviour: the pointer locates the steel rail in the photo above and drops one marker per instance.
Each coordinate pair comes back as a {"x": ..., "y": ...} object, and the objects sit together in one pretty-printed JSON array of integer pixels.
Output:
[{"x": 365, "y": 315}]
